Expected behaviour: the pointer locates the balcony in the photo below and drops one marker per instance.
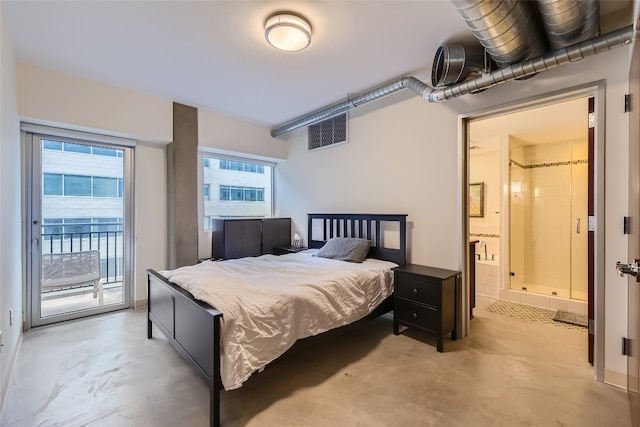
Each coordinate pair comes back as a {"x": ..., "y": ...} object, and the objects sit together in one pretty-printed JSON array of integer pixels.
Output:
[{"x": 107, "y": 239}]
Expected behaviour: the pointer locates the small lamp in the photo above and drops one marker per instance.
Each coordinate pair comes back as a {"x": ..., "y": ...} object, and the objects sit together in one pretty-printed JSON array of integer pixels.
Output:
[{"x": 287, "y": 31}]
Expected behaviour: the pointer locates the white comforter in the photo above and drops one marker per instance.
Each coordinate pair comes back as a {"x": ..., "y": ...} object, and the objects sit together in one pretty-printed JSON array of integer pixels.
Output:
[{"x": 269, "y": 302}]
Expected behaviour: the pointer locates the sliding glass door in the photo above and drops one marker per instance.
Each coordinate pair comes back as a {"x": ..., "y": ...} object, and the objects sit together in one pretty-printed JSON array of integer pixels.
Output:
[{"x": 80, "y": 228}]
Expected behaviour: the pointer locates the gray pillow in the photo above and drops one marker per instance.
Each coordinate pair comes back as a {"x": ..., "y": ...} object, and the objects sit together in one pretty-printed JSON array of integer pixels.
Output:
[{"x": 345, "y": 249}]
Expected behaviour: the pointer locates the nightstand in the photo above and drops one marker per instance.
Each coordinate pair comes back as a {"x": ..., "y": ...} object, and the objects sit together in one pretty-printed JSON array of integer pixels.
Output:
[
  {"x": 281, "y": 250},
  {"x": 425, "y": 297}
]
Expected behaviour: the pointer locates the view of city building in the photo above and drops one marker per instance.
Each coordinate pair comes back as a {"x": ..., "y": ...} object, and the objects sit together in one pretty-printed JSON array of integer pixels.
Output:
[
  {"x": 82, "y": 203},
  {"x": 236, "y": 189}
]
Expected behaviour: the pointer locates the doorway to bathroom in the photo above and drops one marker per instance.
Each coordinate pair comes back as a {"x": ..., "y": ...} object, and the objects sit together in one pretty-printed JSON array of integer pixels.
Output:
[{"x": 529, "y": 198}]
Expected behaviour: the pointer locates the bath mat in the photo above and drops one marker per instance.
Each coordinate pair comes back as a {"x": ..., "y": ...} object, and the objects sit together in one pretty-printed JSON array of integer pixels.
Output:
[
  {"x": 571, "y": 318},
  {"x": 537, "y": 314}
]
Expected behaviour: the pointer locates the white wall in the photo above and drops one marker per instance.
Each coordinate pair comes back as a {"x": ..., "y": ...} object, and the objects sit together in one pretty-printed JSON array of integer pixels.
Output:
[
  {"x": 399, "y": 159},
  {"x": 48, "y": 97},
  {"x": 52, "y": 98},
  {"x": 150, "y": 214},
  {"x": 484, "y": 166},
  {"x": 236, "y": 136},
  {"x": 10, "y": 212},
  {"x": 403, "y": 158}
]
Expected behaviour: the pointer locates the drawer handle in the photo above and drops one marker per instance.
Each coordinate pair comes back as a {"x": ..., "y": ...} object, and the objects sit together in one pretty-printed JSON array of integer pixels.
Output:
[
  {"x": 415, "y": 315},
  {"x": 415, "y": 290}
]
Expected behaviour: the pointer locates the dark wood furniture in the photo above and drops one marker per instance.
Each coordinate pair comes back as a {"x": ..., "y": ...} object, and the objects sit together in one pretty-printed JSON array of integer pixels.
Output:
[
  {"x": 425, "y": 297},
  {"x": 472, "y": 276},
  {"x": 281, "y": 250},
  {"x": 193, "y": 327},
  {"x": 238, "y": 238}
]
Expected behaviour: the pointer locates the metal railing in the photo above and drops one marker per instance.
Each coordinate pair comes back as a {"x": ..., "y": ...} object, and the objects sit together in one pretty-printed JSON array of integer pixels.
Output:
[{"x": 57, "y": 238}]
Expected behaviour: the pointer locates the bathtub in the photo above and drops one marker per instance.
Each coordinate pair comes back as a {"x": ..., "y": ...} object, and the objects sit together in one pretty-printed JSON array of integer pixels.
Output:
[{"x": 488, "y": 278}]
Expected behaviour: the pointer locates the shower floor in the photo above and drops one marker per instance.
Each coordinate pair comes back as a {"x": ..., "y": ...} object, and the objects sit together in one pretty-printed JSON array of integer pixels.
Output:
[{"x": 549, "y": 290}]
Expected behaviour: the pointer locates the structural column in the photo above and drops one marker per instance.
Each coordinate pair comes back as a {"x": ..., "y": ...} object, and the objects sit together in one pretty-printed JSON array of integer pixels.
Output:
[{"x": 183, "y": 187}]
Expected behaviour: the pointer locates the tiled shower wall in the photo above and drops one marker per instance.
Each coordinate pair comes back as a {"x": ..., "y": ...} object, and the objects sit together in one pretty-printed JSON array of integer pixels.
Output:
[{"x": 549, "y": 219}]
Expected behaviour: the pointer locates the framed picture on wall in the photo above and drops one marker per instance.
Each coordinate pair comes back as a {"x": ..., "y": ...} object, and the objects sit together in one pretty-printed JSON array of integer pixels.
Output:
[{"x": 476, "y": 200}]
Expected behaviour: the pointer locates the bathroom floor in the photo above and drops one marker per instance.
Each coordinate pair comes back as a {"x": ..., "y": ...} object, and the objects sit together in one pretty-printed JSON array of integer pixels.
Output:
[{"x": 536, "y": 314}]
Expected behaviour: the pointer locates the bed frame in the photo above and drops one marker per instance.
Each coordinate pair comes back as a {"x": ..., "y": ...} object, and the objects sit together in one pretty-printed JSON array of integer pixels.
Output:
[{"x": 193, "y": 327}]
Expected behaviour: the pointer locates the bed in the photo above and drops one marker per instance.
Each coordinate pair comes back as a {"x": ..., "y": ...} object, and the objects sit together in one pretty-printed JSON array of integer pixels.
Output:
[{"x": 199, "y": 332}]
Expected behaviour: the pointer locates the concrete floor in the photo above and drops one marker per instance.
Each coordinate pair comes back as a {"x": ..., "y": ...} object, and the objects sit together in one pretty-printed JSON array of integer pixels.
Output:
[{"x": 102, "y": 371}]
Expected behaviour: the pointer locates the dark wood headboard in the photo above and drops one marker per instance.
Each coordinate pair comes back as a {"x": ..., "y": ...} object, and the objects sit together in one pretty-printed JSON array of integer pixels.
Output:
[{"x": 366, "y": 226}]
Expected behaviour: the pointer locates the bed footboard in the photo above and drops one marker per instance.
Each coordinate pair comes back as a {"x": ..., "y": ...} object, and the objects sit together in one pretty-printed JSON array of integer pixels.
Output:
[{"x": 192, "y": 327}]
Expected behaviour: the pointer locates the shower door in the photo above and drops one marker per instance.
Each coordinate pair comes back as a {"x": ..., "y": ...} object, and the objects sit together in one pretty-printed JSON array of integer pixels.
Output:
[{"x": 549, "y": 218}]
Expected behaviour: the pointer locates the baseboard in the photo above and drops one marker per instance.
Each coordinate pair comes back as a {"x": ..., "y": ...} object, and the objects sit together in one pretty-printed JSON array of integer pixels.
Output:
[
  {"x": 616, "y": 379},
  {"x": 139, "y": 304},
  {"x": 5, "y": 386}
]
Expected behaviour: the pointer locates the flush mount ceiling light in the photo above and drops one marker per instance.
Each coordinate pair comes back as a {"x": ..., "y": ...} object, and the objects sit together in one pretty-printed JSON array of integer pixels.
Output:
[{"x": 287, "y": 31}]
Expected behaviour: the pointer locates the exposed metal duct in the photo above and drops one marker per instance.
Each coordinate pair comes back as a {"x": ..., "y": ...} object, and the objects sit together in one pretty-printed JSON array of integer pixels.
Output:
[
  {"x": 454, "y": 63},
  {"x": 520, "y": 70},
  {"x": 569, "y": 21},
  {"x": 507, "y": 29},
  {"x": 562, "y": 56}
]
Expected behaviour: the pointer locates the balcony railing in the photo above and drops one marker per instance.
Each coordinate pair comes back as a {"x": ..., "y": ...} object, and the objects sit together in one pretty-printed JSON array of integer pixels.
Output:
[{"x": 108, "y": 241}]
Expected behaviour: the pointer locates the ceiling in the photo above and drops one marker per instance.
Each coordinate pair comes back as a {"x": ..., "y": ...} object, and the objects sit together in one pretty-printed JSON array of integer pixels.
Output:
[
  {"x": 560, "y": 121},
  {"x": 213, "y": 55}
]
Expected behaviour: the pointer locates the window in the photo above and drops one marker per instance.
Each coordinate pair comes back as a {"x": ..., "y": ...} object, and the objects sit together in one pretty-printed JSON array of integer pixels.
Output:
[
  {"x": 241, "y": 194},
  {"x": 236, "y": 188},
  {"x": 77, "y": 148},
  {"x": 80, "y": 225},
  {"x": 101, "y": 151},
  {"x": 77, "y": 185},
  {"x": 52, "y": 227},
  {"x": 105, "y": 187},
  {"x": 241, "y": 166},
  {"x": 52, "y": 145},
  {"x": 52, "y": 184}
]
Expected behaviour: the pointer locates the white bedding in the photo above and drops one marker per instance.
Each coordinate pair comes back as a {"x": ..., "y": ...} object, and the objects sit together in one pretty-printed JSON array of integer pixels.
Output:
[{"x": 269, "y": 302}]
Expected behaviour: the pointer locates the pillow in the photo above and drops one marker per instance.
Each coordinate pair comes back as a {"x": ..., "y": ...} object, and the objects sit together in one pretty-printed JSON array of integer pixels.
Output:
[{"x": 345, "y": 249}]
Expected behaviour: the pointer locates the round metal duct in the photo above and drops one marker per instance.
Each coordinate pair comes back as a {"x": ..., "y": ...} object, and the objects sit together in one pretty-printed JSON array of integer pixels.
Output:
[
  {"x": 570, "y": 21},
  {"x": 507, "y": 29},
  {"x": 454, "y": 63}
]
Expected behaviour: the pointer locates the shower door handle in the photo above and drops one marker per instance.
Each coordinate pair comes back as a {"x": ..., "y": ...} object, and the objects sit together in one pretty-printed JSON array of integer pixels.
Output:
[{"x": 577, "y": 225}]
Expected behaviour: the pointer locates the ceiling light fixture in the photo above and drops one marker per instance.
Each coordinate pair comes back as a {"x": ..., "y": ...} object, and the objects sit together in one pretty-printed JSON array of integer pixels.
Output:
[{"x": 287, "y": 31}]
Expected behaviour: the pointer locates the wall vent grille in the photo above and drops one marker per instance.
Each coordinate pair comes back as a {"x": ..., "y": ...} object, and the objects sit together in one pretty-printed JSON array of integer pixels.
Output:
[{"x": 328, "y": 132}]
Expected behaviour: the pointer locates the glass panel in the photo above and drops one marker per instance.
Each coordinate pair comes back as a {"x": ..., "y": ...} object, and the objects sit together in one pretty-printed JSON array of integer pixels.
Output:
[
  {"x": 52, "y": 145},
  {"x": 237, "y": 193},
  {"x": 77, "y": 148},
  {"x": 101, "y": 151},
  {"x": 105, "y": 187},
  {"x": 52, "y": 184},
  {"x": 82, "y": 231},
  {"x": 77, "y": 185},
  {"x": 541, "y": 219}
]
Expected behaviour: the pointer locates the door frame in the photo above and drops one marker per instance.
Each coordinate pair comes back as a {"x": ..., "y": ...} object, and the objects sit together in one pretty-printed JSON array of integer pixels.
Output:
[
  {"x": 597, "y": 90},
  {"x": 28, "y": 134}
]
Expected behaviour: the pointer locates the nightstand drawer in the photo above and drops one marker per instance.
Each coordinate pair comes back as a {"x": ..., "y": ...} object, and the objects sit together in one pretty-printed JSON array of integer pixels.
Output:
[
  {"x": 417, "y": 288},
  {"x": 417, "y": 315}
]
